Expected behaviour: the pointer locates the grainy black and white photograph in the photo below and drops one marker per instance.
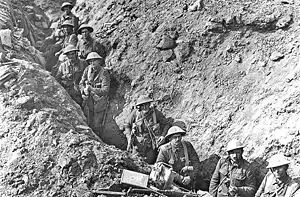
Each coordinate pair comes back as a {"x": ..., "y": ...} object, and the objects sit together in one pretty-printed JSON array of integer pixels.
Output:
[{"x": 149, "y": 98}]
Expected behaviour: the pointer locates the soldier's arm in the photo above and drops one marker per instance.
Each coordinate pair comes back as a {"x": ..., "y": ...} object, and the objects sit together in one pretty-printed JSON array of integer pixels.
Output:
[
  {"x": 99, "y": 48},
  {"x": 261, "y": 188},
  {"x": 250, "y": 182},
  {"x": 59, "y": 73},
  {"x": 76, "y": 24},
  {"x": 162, "y": 156},
  {"x": 163, "y": 121},
  {"x": 104, "y": 89},
  {"x": 83, "y": 79},
  {"x": 128, "y": 124},
  {"x": 194, "y": 159},
  {"x": 215, "y": 181}
]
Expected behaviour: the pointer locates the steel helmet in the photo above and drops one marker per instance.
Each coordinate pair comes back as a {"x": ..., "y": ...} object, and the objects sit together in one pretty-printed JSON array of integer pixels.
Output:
[
  {"x": 67, "y": 23},
  {"x": 234, "y": 144},
  {"x": 143, "y": 99},
  {"x": 174, "y": 130},
  {"x": 93, "y": 55},
  {"x": 278, "y": 160},
  {"x": 180, "y": 123},
  {"x": 70, "y": 48},
  {"x": 85, "y": 26},
  {"x": 65, "y": 4}
]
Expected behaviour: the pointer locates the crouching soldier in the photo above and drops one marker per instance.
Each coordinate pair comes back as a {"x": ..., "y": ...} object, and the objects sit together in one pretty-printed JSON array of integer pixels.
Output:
[
  {"x": 182, "y": 156},
  {"x": 233, "y": 175},
  {"x": 145, "y": 129},
  {"x": 94, "y": 85},
  {"x": 277, "y": 182},
  {"x": 69, "y": 73}
]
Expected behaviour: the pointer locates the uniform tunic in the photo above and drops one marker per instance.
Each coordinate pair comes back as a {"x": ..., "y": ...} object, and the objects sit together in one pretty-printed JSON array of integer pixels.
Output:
[
  {"x": 96, "y": 102},
  {"x": 144, "y": 140},
  {"x": 240, "y": 176},
  {"x": 270, "y": 187},
  {"x": 68, "y": 75},
  {"x": 176, "y": 158},
  {"x": 71, "y": 17},
  {"x": 90, "y": 45}
]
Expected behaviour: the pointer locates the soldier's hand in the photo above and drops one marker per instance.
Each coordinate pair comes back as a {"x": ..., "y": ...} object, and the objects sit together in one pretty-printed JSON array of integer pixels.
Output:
[
  {"x": 186, "y": 169},
  {"x": 160, "y": 139},
  {"x": 186, "y": 180},
  {"x": 233, "y": 190}
]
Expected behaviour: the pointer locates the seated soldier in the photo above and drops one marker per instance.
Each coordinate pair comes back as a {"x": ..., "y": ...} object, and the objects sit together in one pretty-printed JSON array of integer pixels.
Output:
[
  {"x": 182, "y": 156},
  {"x": 277, "y": 182}
]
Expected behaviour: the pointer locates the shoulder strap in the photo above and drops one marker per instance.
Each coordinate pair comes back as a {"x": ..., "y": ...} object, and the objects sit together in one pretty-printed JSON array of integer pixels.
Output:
[
  {"x": 186, "y": 155},
  {"x": 154, "y": 117}
]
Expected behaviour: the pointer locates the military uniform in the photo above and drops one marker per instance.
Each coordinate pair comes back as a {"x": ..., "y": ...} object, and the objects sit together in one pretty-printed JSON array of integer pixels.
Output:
[
  {"x": 96, "y": 101},
  {"x": 90, "y": 45},
  {"x": 148, "y": 127},
  {"x": 271, "y": 187},
  {"x": 70, "y": 17},
  {"x": 69, "y": 75},
  {"x": 240, "y": 176},
  {"x": 185, "y": 155}
]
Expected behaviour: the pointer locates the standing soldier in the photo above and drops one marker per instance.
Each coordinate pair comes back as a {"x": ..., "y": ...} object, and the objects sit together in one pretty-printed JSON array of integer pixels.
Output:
[
  {"x": 69, "y": 73},
  {"x": 95, "y": 85},
  {"x": 87, "y": 44},
  {"x": 277, "y": 183},
  {"x": 233, "y": 175},
  {"x": 66, "y": 7},
  {"x": 143, "y": 126},
  {"x": 182, "y": 156}
]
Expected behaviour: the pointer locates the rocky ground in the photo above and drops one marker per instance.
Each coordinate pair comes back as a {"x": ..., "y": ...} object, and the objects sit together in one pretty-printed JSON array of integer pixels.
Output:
[{"x": 229, "y": 68}]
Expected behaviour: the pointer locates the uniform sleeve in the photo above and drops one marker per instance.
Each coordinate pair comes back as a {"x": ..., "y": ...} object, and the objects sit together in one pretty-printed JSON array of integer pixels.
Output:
[
  {"x": 59, "y": 73},
  {"x": 249, "y": 189},
  {"x": 99, "y": 48},
  {"x": 162, "y": 155},
  {"x": 83, "y": 79},
  {"x": 261, "y": 188},
  {"x": 163, "y": 121},
  {"x": 104, "y": 89},
  {"x": 128, "y": 124},
  {"x": 73, "y": 40},
  {"x": 215, "y": 180},
  {"x": 194, "y": 159},
  {"x": 76, "y": 24}
]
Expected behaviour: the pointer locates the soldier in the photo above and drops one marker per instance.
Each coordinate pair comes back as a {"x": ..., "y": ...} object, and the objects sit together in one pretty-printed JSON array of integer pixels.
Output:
[
  {"x": 233, "y": 175},
  {"x": 66, "y": 7},
  {"x": 69, "y": 36},
  {"x": 95, "y": 85},
  {"x": 87, "y": 44},
  {"x": 182, "y": 156},
  {"x": 143, "y": 126},
  {"x": 277, "y": 183},
  {"x": 70, "y": 72}
]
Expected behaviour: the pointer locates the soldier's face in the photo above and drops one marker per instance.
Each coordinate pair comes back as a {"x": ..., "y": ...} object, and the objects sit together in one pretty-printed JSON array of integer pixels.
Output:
[
  {"x": 95, "y": 62},
  {"x": 235, "y": 155},
  {"x": 280, "y": 171},
  {"x": 67, "y": 30},
  {"x": 145, "y": 107},
  {"x": 67, "y": 9},
  {"x": 72, "y": 55},
  {"x": 85, "y": 34},
  {"x": 175, "y": 139}
]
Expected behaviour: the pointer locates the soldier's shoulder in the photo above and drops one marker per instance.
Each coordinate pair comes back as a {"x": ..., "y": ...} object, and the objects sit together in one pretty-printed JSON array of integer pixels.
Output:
[{"x": 165, "y": 147}]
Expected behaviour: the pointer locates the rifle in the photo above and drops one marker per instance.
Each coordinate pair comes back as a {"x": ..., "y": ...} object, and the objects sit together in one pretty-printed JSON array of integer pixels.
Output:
[
  {"x": 148, "y": 191},
  {"x": 131, "y": 138}
]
